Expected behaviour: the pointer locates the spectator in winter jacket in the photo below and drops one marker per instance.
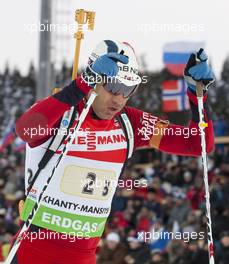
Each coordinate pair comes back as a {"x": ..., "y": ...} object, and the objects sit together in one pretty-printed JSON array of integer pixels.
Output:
[
  {"x": 138, "y": 253},
  {"x": 222, "y": 252},
  {"x": 157, "y": 257},
  {"x": 113, "y": 251}
]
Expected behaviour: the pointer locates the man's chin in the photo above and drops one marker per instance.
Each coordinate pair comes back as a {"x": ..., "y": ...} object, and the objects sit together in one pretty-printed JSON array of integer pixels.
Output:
[
  {"x": 108, "y": 116},
  {"x": 104, "y": 116}
]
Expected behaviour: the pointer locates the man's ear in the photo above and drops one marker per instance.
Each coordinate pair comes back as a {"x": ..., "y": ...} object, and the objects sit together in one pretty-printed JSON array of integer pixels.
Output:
[{"x": 95, "y": 89}]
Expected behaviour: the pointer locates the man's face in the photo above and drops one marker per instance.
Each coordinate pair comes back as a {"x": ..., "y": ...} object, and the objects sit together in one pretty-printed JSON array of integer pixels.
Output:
[{"x": 106, "y": 104}]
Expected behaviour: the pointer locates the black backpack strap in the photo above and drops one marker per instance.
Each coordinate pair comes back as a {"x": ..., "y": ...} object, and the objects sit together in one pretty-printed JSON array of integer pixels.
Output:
[
  {"x": 65, "y": 124},
  {"x": 125, "y": 123}
]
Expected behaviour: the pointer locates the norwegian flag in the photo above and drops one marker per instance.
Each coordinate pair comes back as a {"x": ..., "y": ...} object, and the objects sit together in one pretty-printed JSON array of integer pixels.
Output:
[{"x": 174, "y": 96}]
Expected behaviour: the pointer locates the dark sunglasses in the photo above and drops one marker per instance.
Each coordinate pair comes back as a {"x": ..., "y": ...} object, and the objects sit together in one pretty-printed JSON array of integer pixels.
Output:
[{"x": 116, "y": 87}]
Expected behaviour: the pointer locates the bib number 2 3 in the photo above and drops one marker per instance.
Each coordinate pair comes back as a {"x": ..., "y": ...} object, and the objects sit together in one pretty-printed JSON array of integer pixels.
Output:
[{"x": 90, "y": 183}]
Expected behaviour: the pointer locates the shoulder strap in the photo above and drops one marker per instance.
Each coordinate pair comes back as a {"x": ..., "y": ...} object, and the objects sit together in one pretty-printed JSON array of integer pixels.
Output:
[
  {"x": 65, "y": 124},
  {"x": 128, "y": 131}
]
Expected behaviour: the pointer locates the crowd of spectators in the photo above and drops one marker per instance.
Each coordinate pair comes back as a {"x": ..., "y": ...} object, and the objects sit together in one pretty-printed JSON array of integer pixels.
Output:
[
  {"x": 158, "y": 212},
  {"x": 165, "y": 221}
]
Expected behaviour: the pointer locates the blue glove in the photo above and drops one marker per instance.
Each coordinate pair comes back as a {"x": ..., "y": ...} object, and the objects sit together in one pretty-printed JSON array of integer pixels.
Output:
[
  {"x": 197, "y": 70},
  {"x": 106, "y": 65}
]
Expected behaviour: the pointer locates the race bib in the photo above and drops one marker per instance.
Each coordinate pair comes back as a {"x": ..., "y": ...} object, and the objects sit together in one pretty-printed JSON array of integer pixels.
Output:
[{"x": 89, "y": 183}]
